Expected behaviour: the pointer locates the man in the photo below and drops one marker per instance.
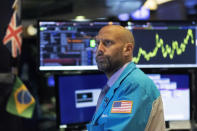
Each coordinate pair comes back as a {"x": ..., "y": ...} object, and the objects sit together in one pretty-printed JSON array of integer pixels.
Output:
[{"x": 132, "y": 101}]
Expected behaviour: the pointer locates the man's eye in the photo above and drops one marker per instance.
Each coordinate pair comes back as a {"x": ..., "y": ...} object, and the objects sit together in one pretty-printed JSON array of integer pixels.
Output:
[
  {"x": 97, "y": 42},
  {"x": 107, "y": 42}
]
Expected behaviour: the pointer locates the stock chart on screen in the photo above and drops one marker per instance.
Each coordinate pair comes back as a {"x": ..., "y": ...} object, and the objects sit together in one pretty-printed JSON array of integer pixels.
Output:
[
  {"x": 69, "y": 45},
  {"x": 165, "y": 44}
]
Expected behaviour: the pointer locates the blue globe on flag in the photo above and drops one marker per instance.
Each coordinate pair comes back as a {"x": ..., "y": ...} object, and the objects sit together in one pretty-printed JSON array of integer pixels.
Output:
[
  {"x": 24, "y": 97},
  {"x": 21, "y": 102}
]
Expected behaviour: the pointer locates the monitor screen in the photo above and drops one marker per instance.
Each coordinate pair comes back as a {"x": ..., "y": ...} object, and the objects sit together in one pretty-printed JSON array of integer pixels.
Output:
[
  {"x": 175, "y": 93},
  {"x": 77, "y": 97},
  {"x": 164, "y": 44},
  {"x": 70, "y": 45}
]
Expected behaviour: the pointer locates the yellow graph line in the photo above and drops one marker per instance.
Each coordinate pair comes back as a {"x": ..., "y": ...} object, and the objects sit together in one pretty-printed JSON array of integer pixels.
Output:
[{"x": 165, "y": 49}]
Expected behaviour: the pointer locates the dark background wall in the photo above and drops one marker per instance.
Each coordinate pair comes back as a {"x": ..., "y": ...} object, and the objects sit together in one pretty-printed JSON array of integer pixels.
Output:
[{"x": 33, "y": 10}]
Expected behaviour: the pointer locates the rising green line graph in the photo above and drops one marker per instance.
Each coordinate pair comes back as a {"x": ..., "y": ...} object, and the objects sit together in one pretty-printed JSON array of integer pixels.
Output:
[{"x": 171, "y": 50}]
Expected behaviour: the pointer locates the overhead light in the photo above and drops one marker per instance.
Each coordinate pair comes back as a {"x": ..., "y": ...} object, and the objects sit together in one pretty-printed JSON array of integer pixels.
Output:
[
  {"x": 123, "y": 17},
  {"x": 162, "y": 1},
  {"x": 141, "y": 14},
  {"x": 80, "y": 18},
  {"x": 151, "y": 4},
  {"x": 31, "y": 30}
]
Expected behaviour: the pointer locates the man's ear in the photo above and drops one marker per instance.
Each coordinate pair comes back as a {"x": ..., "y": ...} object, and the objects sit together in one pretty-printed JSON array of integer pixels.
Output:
[{"x": 128, "y": 49}]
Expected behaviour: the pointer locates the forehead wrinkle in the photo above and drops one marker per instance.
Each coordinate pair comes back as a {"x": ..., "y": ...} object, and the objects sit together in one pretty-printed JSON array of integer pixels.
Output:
[
  {"x": 108, "y": 34},
  {"x": 120, "y": 33}
]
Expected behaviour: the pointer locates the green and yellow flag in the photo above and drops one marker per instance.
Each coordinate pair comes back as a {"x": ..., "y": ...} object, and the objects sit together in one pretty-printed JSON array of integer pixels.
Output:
[{"x": 20, "y": 102}]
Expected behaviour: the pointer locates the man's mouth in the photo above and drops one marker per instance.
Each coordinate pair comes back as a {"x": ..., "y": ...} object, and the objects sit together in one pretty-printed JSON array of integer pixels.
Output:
[{"x": 100, "y": 58}]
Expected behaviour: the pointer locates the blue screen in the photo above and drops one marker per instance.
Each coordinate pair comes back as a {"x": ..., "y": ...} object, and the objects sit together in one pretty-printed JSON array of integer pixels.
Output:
[
  {"x": 175, "y": 93},
  {"x": 78, "y": 96},
  {"x": 68, "y": 45}
]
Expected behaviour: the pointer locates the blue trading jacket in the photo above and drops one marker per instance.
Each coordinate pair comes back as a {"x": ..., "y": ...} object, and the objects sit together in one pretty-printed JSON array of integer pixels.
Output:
[{"x": 132, "y": 86}]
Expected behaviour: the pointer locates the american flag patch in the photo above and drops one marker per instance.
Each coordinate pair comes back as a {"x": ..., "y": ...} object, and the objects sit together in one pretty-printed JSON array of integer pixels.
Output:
[{"x": 122, "y": 107}]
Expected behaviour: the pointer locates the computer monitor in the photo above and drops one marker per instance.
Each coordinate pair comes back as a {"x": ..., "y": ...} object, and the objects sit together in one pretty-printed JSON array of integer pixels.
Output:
[
  {"x": 71, "y": 45},
  {"x": 68, "y": 45},
  {"x": 175, "y": 93},
  {"x": 164, "y": 44},
  {"x": 77, "y": 97}
]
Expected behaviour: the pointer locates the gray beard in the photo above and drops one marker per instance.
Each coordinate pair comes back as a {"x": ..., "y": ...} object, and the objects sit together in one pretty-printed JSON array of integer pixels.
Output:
[{"x": 108, "y": 67}]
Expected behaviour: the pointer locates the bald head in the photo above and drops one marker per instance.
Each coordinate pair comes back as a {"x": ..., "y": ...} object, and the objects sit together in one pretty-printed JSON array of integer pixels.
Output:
[
  {"x": 121, "y": 33},
  {"x": 114, "y": 49}
]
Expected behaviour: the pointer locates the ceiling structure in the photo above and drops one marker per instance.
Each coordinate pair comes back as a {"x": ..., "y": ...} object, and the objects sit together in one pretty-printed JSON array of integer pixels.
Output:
[
  {"x": 33, "y": 10},
  {"x": 191, "y": 6},
  {"x": 68, "y": 9}
]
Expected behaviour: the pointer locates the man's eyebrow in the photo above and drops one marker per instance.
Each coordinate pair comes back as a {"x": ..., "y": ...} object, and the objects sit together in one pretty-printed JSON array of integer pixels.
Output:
[{"x": 96, "y": 37}]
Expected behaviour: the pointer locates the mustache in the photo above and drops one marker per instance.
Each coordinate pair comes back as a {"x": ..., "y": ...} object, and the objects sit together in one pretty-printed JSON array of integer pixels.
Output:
[{"x": 99, "y": 53}]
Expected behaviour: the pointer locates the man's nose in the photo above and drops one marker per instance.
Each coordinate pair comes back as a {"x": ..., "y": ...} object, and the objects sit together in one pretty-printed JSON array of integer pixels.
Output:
[{"x": 101, "y": 47}]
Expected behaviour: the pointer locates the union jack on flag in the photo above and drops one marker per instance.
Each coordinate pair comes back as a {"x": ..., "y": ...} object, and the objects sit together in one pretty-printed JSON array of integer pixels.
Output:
[{"x": 13, "y": 38}]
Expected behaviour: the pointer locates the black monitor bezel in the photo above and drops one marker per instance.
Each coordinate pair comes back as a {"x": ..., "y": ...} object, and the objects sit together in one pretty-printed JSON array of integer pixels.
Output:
[
  {"x": 146, "y": 71},
  {"x": 74, "y": 126},
  {"x": 145, "y": 66},
  {"x": 191, "y": 75}
]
